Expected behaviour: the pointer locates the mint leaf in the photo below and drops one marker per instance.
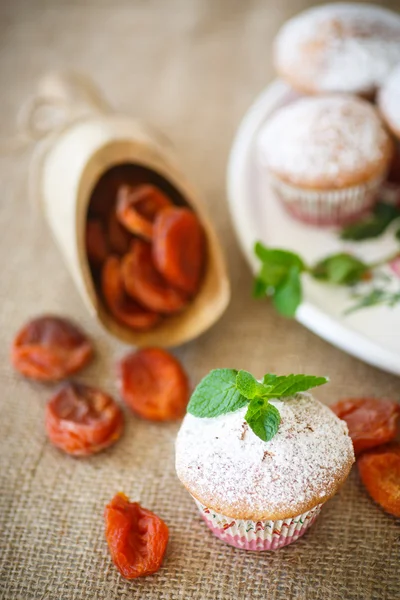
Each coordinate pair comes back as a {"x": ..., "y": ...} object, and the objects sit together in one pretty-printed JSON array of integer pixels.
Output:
[
  {"x": 248, "y": 385},
  {"x": 259, "y": 288},
  {"x": 341, "y": 268},
  {"x": 275, "y": 257},
  {"x": 271, "y": 274},
  {"x": 385, "y": 210},
  {"x": 279, "y": 276},
  {"x": 288, "y": 385},
  {"x": 216, "y": 394},
  {"x": 263, "y": 418},
  {"x": 269, "y": 378},
  {"x": 373, "y": 225},
  {"x": 288, "y": 294}
]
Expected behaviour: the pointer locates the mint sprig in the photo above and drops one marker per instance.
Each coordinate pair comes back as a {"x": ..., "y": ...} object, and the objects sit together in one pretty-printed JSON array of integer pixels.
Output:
[
  {"x": 340, "y": 269},
  {"x": 226, "y": 390},
  {"x": 280, "y": 274},
  {"x": 373, "y": 225}
]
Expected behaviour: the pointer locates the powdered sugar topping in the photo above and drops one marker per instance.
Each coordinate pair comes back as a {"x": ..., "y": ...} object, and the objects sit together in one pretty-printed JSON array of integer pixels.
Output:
[
  {"x": 328, "y": 138},
  {"x": 389, "y": 100},
  {"x": 340, "y": 47},
  {"x": 222, "y": 462}
]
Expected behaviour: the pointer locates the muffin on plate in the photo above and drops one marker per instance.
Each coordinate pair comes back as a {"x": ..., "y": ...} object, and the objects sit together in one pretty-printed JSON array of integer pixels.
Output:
[
  {"x": 341, "y": 47},
  {"x": 325, "y": 157},
  {"x": 262, "y": 495},
  {"x": 389, "y": 102},
  {"x": 389, "y": 106}
]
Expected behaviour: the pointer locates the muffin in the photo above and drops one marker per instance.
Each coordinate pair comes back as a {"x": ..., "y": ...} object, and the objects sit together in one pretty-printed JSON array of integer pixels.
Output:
[
  {"x": 259, "y": 495},
  {"x": 389, "y": 107},
  {"x": 389, "y": 102},
  {"x": 325, "y": 157},
  {"x": 342, "y": 47}
]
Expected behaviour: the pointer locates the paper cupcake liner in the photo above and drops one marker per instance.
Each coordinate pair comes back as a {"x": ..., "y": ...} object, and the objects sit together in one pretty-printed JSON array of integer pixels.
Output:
[
  {"x": 390, "y": 193},
  {"x": 328, "y": 207},
  {"x": 390, "y": 190},
  {"x": 258, "y": 535}
]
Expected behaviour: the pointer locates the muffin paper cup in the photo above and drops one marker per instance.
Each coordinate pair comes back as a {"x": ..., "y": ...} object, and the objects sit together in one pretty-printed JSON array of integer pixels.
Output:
[
  {"x": 327, "y": 207},
  {"x": 257, "y": 535}
]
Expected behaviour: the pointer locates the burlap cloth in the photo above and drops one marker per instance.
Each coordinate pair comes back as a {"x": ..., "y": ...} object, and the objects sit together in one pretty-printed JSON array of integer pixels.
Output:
[{"x": 191, "y": 67}]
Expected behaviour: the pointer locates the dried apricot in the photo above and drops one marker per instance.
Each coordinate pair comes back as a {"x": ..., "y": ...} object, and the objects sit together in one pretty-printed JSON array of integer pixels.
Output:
[
  {"x": 104, "y": 195},
  {"x": 179, "y": 248},
  {"x": 96, "y": 242},
  {"x": 50, "y": 348},
  {"x": 119, "y": 238},
  {"x": 136, "y": 537},
  {"x": 138, "y": 206},
  {"x": 145, "y": 284},
  {"x": 154, "y": 384},
  {"x": 123, "y": 308},
  {"x": 371, "y": 421},
  {"x": 394, "y": 170},
  {"x": 82, "y": 420},
  {"x": 380, "y": 473}
]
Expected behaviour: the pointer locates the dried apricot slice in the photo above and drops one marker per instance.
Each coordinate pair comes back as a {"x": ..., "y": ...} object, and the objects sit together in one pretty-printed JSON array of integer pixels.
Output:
[
  {"x": 145, "y": 284},
  {"x": 179, "y": 248},
  {"x": 380, "y": 473},
  {"x": 138, "y": 206},
  {"x": 50, "y": 348},
  {"x": 119, "y": 238},
  {"x": 123, "y": 308},
  {"x": 82, "y": 420},
  {"x": 104, "y": 194},
  {"x": 394, "y": 170},
  {"x": 136, "y": 537},
  {"x": 153, "y": 384},
  {"x": 96, "y": 242},
  {"x": 371, "y": 421}
]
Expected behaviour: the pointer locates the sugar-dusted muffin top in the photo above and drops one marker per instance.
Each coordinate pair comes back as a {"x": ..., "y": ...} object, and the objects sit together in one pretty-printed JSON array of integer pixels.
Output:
[
  {"x": 341, "y": 47},
  {"x": 389, "y": 101},
  {"x": 325, "y": 142},
  {"x": 225, "y": 466}
]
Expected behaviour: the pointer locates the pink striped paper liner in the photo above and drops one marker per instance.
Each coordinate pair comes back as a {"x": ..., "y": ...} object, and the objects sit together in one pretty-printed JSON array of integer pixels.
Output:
[
  {"x": 258, "y": 535},
  {"x": 327, "y": 207}
]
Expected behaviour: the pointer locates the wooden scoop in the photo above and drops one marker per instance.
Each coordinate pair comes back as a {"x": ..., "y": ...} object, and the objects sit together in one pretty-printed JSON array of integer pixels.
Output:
[{"x": 80, "y": 152}]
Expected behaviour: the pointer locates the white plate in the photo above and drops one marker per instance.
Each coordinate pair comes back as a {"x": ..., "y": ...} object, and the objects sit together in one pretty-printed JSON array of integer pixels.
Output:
[{"x": 371, "y": 334}]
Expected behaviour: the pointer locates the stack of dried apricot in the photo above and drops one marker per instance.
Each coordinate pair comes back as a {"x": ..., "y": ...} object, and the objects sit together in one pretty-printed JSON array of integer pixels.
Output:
[
  {"x": 373, "y": 427},
  {"x": 147, "y": 254}
]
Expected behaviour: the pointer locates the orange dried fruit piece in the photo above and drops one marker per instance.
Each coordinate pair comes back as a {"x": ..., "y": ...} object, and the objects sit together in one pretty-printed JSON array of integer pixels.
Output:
[
  {"x": 50, "y": 348},
  {"x": 371, "y": 421},
  {"x": 81, "y": 420},
  {"x": 136, "y": 537},
  {"x": 138, "y": 206},
  {"x": 179, "y": 248},
  {"x": 122, "y": 307},
  {"x": 96, "y": 242},
  {"x": 145, "y": 284},
  {"x": 119, "y": 239},
  {"x": 394, "y": 170},
  {"x": 380, "y": 473},
  {"x": 154, "y": 384}
]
